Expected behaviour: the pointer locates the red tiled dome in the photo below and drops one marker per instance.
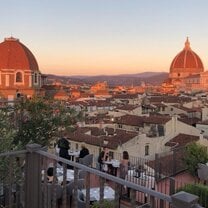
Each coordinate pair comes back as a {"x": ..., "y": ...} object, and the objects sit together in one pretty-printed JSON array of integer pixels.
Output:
[
  {"x": 187, "y": 59},
  {"x": 15, "y": 55}
]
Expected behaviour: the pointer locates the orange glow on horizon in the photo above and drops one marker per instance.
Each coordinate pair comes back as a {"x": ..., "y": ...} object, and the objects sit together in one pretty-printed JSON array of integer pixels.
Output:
[{"x": 106, "y": 66}]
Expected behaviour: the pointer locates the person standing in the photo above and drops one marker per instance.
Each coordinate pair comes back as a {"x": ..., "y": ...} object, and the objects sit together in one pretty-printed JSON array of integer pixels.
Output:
[
  {"x": 124, "y": 165},
  {"x": 84, "y": 151},
  {"x": 63, "y": 145},
  {"x": 103, "y": 156}
]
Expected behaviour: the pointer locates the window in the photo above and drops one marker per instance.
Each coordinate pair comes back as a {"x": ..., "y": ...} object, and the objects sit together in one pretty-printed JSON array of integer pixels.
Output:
[
  {"x": 137, "y": 128},
  {"x": 179, "y": 75},
  {"x": 146, "y": 151},
  {"x": 18, "y": 77},
  {"x": 120, "y": 126},
  {"x": 111, "y": 154},
  {"x": 161, "y": 130},
  {"x": 36, "y": 78}
]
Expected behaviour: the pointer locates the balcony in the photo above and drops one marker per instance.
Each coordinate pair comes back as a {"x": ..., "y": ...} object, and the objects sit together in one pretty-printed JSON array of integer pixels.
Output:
[{"x": 23, "y": 183}]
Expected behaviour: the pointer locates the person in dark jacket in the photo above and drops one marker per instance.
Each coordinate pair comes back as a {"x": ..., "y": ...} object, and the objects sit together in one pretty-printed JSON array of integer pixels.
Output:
[
  {"x": 63, "y": 145},
  {"x": 83, "y": 152}
]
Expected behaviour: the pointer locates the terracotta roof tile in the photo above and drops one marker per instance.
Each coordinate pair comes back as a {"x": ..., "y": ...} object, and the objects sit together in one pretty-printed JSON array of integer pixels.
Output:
[
  {"x": 139, "y": 120},
  {"x": 15, "y": 55},
  {"x": 127, "y": 107},
  {"x": 189, "y": 121},
  {"x": 181, "y": 140},
  {"x": 114, "y": 141},
  {"x": 169, "y": 99},
  {"x": 126, "y": 96}
]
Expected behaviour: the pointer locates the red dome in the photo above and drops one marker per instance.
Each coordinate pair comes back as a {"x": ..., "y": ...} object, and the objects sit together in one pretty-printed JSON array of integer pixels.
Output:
[
  {"x": 14, "y": 55},
  {"x": 187, "y": 59}
]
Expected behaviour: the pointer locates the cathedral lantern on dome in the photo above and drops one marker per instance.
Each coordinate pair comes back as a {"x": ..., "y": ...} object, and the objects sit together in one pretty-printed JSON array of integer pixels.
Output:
[{"x": 19, "y": 71}]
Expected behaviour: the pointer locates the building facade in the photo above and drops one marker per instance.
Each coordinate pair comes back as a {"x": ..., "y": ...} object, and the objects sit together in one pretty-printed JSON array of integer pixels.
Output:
[
  {"x": 19, "y": 71},
  {"x": 186, "y": 72}
]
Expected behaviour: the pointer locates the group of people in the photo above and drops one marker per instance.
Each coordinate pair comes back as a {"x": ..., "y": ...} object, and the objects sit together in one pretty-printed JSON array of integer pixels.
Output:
[
  {"x": 124, "y": 163},
  {"x": 64, "y": 146}
]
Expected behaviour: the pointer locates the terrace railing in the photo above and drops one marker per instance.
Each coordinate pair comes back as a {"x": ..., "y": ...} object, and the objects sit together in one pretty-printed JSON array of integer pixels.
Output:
[{"x": 23, "y": 184}]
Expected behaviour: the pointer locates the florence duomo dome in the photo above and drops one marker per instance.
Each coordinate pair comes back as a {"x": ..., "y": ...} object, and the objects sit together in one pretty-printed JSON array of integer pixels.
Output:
[
  {"x": 19, "y": 71},
  {"x": 185, "y": 63},
  {"x": 186, "y": 72}
]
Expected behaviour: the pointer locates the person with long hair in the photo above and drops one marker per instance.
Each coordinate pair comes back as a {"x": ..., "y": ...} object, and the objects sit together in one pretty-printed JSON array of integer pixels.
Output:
[{"x": 124, "y": 165}]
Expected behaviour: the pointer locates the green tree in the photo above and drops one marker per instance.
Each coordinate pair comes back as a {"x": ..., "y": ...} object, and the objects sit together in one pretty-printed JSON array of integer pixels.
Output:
[
  {"x": 7, "y": 131},
  {"x": 39, "y": 121},
  {"x": 199, "y": 190},
  {"x": 194, "y": 154},
  {"x": 105, "y": 204}
]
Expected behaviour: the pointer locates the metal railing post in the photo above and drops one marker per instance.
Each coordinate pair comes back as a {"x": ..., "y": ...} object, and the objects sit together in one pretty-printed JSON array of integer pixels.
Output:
[
  {"x": 152, "y": 201},
  {"x": 172, "y": 186},
  {"x": 33, "y": 177},
  {"x": 157, "y": 168},
  {"x": 102, "y": 183},
  {"x": 76, "y": 171},
  {"x": 133, "y": 197},
  {"x": 87, "y": 190},
  {"x": 117, "y": 195}
]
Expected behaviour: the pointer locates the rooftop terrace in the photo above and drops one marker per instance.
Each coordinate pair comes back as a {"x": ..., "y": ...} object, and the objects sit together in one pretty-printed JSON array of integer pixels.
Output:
[{"x": 24, "y": 184}]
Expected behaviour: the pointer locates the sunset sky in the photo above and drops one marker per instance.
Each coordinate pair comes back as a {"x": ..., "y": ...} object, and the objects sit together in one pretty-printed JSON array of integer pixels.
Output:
[{"x": 93, "y": 37}]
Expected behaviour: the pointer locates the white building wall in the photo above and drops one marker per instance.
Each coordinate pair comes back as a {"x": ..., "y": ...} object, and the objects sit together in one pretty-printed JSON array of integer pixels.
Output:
[
  {"x": 204, "y": 113},
  {"x": 193, "y": 104},
  {"x": 171, "y": 110},
  {"x": 178, "y": 127},
  {"x": 137, "y": 111},
  {"x": 136, "y": 146},
  {"x": 116, "y": 114},
  {"x": 203, "y": 127},
  {"x": 128, "y": 127}
]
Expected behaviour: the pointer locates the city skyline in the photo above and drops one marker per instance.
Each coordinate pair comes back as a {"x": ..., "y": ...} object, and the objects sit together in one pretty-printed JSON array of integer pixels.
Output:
[{"x": 106, "y": 37}]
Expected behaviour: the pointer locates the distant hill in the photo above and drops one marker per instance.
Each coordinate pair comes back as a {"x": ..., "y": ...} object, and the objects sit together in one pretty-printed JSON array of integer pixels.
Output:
[
  {"x": 154, "y": 78},
  {"x": 143, "y": 74}
]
